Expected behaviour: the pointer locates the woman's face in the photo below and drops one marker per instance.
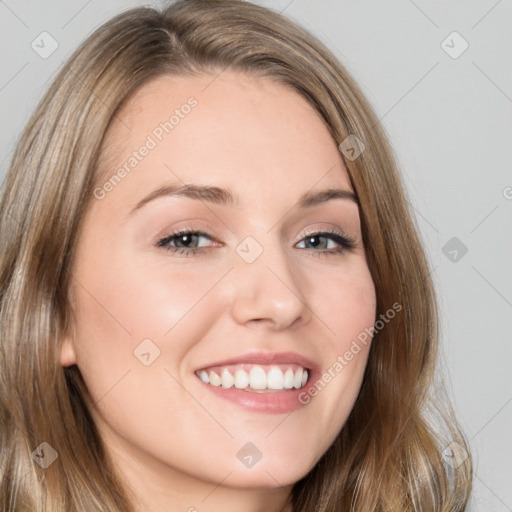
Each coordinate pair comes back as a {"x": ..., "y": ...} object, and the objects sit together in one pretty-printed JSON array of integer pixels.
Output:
[{"x": 272, "y": 280}]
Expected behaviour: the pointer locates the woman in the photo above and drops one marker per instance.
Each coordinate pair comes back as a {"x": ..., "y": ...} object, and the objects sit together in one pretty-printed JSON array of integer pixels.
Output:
[{"x": 213, "y": 295}]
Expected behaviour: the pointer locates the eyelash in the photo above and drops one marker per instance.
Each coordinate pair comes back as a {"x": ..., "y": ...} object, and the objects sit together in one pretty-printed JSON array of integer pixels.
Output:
[{"x": 345, "y": 242}]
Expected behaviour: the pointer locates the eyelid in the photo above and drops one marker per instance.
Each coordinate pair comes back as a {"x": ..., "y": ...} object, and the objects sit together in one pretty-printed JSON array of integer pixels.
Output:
[
  {"x": 318, "y": 231},
  {"x": 329, "y": 229},
  {"x": 207, "y": 230}
]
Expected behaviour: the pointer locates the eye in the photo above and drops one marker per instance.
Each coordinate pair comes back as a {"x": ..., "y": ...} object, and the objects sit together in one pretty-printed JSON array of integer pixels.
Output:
[
  {"x": 184, "y": 241},
  {"x": 189, "y": 241},
  {"x": 328, "y": 242}
]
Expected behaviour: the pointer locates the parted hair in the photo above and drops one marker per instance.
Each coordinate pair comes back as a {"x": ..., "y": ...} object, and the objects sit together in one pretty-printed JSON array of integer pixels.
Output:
[{"x": 388, "y": 456}]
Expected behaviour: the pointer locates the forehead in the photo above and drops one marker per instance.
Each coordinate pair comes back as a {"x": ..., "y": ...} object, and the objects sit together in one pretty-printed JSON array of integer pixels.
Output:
[{"x": 225, "y": 129}]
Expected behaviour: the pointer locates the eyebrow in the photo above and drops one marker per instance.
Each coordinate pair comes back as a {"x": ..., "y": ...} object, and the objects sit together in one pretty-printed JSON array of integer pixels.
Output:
[{"x": 224, "y": 197}]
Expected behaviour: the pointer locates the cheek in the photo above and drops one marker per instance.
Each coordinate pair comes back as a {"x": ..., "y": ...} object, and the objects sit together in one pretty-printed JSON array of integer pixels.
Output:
[
  {"x": 347, "y": 307},
  {"x": 124, "y": 303},
  {"x": 346, "y": 303}
]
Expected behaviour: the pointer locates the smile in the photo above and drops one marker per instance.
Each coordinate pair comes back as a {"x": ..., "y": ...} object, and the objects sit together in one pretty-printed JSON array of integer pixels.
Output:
[{"x": 256, "y": 377}]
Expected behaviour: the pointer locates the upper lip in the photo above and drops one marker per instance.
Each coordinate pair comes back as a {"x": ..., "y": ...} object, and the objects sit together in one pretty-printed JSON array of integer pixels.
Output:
[{"x": 267, "y": 358}]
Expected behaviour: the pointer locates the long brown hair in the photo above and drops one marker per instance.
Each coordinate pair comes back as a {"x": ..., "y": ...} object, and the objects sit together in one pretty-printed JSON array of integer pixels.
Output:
[{"x": 389, "y": 454}]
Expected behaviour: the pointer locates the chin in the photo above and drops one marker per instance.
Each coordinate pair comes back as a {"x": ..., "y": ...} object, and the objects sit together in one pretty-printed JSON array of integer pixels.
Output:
[{"x": 271, "y": 475}]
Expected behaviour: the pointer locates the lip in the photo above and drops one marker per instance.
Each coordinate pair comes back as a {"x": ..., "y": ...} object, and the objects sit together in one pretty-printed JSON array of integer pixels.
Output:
[
  {"x": 266, "y": 358},
  {"x": 276, "y": 402}
]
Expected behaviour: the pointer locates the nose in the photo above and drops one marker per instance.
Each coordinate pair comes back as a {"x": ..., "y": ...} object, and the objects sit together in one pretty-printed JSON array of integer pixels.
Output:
[{"x": 267, "y": 292}]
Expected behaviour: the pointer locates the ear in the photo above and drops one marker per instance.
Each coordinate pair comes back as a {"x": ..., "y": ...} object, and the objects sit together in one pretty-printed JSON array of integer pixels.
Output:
[
  {"x": 67, "y": 350},
  {"x": 67, "y": 355}
]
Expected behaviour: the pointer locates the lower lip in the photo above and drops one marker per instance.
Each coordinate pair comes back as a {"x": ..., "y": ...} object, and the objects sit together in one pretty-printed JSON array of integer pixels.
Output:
[{"x": 268, "y": 402}]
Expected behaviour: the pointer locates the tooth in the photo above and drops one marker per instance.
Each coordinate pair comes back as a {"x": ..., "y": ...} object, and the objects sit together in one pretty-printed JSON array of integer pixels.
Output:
[
  {"x": 214, "y": 378},
  {"x": 257, "y": 378},
  {"x": 275, "y": 378},
  {"x": 241, "y": 379},
  {"x": 298, "y": 378},
  {"x": 288, "y": 379},
  {"x": 227, "y": 379}
]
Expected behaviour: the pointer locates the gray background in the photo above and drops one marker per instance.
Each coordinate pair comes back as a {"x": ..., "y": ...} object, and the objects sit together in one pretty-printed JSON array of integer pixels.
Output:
[{"x": 449, "y": 121}]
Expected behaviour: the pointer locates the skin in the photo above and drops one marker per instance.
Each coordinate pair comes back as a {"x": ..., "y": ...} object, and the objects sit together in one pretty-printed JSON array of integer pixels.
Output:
[{"x": 173, "y": 441}]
